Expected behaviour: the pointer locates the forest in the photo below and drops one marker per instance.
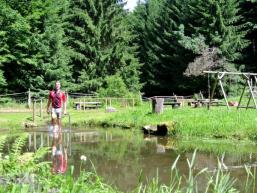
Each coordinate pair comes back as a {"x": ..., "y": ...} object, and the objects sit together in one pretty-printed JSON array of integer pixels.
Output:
[{"x": 159, "y": 48}]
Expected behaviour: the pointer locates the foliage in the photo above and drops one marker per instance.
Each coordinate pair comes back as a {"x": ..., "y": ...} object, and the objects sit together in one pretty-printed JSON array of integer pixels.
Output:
[
  {"x": 115, "y": 87},
  {"x": 15, "y": 163},
  {"x": 76, "y": 42},
  {"x": 100, "y": 44},
  {"x": 182, "y": 32},
  {"x": 82, "y": 42},
  {"x": 25, "y": 172},
  {"x": 249, "y": 13},
  {"x": 32, "y": 37}
]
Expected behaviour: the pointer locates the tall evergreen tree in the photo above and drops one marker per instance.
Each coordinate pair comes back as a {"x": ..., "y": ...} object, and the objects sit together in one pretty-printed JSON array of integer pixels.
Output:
[
  {"x": 219, "y": 22},
  {"x": 249, "y": 12},
  {"x": 99, "y": 40},
  {"x": 176, "y": 35},
  {"x": 48, "y": 43},
  {"x": 141, "y": 21},
  {"x": 34, "y": 52},
  {"x": 165, "y": 59},
  {"x": 14, "y": 41}
]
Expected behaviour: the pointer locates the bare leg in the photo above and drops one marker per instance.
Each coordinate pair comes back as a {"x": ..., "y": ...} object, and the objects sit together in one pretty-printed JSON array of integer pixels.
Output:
[{"x": 59, "y": 122}]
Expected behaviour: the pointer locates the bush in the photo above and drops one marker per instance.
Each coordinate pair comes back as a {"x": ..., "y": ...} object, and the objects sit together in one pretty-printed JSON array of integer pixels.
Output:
[
  {"x": 115, "y": 87},
  {"x": 5, "y": 100}
]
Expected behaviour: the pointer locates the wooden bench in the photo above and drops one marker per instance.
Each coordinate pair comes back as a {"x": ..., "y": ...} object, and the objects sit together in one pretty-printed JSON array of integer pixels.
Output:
[
  {"x": 87, "y": 105},
  {"x": 171, "y": 102},
  {"x": 202, "y": 102}
]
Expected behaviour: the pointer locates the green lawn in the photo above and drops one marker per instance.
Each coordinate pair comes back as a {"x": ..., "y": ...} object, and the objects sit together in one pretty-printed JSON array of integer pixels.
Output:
[
  {"x": 187, "y": 122},
  {"x": 198, "y": 122}
]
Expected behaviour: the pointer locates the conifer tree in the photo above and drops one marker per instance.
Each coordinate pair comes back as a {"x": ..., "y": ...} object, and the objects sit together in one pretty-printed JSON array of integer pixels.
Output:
[
  {"x": 165, "y": 59},
  {"x": 175, "y": 36},
  {"x": 220, "y": 23},
  {"x": 99, "y": 40},
  {"x": 249, "y": 12},
  {"x": 14, "y": 41},
  {"x": 34, "y": 52}
]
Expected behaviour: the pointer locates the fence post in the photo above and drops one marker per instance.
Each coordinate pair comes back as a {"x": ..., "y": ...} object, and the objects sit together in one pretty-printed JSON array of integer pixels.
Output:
[
  {"x": 84, "y": 104},
  {"x": 41, "y": 107},
  {"x": 29, "y": 99},
  {"x": 34, "y": 110},
  {"x": 67, "y": 98}
]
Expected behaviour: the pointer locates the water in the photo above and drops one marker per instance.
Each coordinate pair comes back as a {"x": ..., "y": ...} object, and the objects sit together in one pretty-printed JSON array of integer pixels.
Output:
[{"x": 123, "y": 157}]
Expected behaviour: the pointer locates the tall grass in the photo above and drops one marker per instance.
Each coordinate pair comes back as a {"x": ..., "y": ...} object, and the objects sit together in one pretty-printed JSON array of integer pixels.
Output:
[{"x": 218, "y": 182}]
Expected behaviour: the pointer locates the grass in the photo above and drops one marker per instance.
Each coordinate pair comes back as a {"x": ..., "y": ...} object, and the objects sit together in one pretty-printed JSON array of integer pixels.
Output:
[
  {"x": 214, "y": 146},
  {"x": 187, "y": 122},
  {"x": 13, "y": 120}
]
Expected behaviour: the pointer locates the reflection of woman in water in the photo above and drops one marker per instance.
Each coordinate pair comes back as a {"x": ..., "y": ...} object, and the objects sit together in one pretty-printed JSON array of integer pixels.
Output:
[{"x": 59, "y": 152}]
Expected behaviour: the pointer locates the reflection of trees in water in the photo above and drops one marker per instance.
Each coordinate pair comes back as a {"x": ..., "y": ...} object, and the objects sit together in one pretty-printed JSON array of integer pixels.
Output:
[
  {"x": 120, "y": 155},
  {"x": 114, "y": 145},
  {"x": 115, "y": 155}
]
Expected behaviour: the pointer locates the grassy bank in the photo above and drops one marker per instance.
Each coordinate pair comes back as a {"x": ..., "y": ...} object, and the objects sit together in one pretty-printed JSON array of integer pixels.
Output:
[{"x": 187, "y": 122}]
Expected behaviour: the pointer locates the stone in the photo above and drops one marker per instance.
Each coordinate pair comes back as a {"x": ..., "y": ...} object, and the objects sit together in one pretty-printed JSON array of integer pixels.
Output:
[{"x": 110, "y": 110}]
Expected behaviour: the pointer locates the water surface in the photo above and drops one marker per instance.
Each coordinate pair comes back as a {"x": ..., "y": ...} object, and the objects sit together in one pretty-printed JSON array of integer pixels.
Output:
[{"x": 123, "y": 157}]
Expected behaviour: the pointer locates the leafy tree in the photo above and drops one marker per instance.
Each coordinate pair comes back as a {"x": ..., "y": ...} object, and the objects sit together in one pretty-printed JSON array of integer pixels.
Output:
[{"x": 114, "y": 87}]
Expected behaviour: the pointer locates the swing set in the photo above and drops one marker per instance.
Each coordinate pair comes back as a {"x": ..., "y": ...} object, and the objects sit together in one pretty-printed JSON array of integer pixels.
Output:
[{"x": 250, "y": 85}]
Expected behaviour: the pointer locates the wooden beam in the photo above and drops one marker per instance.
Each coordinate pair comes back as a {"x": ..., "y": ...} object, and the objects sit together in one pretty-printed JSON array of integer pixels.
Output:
[
  {"x": 242, "y": 94},
  {"x": 224, "y": 94},
  {"x": 251, "y": 92},
  {"x": 212, "y": 92},
  {"x": 231, "y": 73}
]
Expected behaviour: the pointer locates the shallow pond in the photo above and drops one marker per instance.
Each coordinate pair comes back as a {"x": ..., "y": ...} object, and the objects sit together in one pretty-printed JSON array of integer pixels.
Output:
[{"x": 123, "y": 157}]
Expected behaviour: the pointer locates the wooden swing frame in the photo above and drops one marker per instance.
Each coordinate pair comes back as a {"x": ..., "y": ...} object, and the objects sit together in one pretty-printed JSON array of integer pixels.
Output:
[{"x": 248, "y": 77}]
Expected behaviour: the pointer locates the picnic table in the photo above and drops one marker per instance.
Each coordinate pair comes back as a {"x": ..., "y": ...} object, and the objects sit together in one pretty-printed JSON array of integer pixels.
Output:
[
  {"x": 202, "y": 102},
  {"x": 87, "y": 104}
]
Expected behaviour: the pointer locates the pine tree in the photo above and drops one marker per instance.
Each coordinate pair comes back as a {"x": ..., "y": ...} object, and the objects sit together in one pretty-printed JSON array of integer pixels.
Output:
[
  {"x": 164, "y": 58},
  {"x": 14, "y": 41},
  {"x": 219, "y": 22},
  {"x": 249, "y": 12},
  {"x": 99, "y": 41},
  {"x": 174, "y": 38},
  {"x": 52, "y": 56},
  {"x": 34, "y": 54}
]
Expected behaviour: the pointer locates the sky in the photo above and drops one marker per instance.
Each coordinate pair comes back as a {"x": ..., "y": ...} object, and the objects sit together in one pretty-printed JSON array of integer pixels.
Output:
[{"x": 131, "y": 4}]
